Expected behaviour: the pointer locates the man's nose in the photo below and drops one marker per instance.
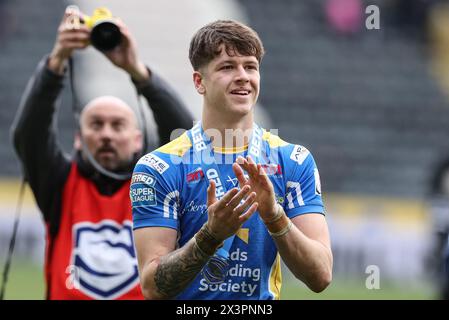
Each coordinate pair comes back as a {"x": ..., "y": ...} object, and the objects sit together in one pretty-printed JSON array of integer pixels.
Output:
[
  {"x": 106, "y": 132},
  {"x": 242, "y": 74}
]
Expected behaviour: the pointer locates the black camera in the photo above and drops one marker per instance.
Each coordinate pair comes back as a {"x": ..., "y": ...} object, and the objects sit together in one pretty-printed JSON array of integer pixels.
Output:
[{"x": 105, "y": 34}]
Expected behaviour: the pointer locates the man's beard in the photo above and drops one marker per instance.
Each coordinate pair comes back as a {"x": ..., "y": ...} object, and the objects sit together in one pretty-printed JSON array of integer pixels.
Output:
[
  {"x": 117, "y": 165},
  {"x": 113, "y": 163}
]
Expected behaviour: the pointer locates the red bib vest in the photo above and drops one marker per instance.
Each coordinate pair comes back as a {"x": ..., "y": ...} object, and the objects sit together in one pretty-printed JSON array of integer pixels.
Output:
[{"x": 93, "y": 253}]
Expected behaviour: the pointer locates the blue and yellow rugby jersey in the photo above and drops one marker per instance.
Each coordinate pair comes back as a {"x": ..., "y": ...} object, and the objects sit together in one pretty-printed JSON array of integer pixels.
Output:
[{"x": 169, "y": 189}]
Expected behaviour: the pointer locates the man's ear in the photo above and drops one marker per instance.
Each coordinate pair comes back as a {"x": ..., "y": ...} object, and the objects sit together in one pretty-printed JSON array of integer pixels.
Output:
[
  {"x": 198, "y": 82},
  {"x": 77, "y": 143}
]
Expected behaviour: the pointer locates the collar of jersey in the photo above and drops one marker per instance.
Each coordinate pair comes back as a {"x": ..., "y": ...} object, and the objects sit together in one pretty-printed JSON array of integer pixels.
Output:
[{"x": 230, "y": 150}]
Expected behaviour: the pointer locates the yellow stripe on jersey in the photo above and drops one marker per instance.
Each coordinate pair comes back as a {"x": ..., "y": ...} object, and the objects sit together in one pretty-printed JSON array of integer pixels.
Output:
[
  {"x": 273, "y": 140},
  {"x": 178, "y": 147},
  {"x": 274, "y": 286},
  {"x": 182, "y": 144},
  {"x": 230, "y": 150},
  {"x": 243, "y": 234}
]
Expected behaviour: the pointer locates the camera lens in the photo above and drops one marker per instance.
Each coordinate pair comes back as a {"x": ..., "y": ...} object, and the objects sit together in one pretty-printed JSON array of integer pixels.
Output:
[{"x": 105, "y": 36}]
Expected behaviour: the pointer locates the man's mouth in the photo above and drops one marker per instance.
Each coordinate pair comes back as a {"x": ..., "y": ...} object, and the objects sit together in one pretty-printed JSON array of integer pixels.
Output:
[
  {"x": 106, "y": 151},
  {"x": 241, "y": 92}
]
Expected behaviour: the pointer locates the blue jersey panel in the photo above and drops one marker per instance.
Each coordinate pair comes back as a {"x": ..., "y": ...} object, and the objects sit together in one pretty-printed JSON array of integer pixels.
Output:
[{"x": 170, "y": 190}]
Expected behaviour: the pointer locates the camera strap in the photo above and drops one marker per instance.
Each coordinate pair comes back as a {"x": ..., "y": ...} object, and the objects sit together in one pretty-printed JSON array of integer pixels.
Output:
[
  {"x": 12, "y": 241},
  {"x": 76, "y": 109}
]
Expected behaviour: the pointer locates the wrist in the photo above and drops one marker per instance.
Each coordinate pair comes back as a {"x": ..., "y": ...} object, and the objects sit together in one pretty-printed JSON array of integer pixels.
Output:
[
  {"x": 282, "y": 230},
  {"x": 206, "y": 241},
  {"x": 278, "y": 212},
  {"x": 279, "y": 224},
  {"x": 139, "y": 73},
  {"x": 56, "y": 64}
]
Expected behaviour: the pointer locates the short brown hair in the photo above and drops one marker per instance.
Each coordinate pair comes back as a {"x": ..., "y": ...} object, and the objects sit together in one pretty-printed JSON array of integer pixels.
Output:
[{"x": 236, "y": 37}]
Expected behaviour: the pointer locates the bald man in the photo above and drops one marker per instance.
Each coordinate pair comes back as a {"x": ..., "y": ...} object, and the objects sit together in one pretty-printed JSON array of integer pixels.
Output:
[
  {"x": 110, "y": 130},
  {"x": 87, "y": 213}
]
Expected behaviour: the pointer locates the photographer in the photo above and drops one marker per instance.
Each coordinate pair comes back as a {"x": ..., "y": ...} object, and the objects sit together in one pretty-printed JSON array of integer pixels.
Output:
[{"x": 90, "y": 250}]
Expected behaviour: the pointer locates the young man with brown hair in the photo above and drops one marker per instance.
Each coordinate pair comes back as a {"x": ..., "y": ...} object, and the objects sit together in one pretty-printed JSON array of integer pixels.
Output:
[{"x": 230, "y": 198}]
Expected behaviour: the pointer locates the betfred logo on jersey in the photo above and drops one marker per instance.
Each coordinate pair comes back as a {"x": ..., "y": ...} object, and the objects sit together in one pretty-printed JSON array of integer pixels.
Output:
[
  {"x": 143, "y": 178},
  {"x": 104, "y": 259},
  {"x": 195, "y": 176},
  {"x": 212, "y": 174},
  {"x": 198, "y": 140}
]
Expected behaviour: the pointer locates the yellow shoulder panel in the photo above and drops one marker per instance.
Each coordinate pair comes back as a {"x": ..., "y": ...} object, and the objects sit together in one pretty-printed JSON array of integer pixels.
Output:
[
  {"x": 273, "y": 140},
  {"x": 178, "y": 147}
]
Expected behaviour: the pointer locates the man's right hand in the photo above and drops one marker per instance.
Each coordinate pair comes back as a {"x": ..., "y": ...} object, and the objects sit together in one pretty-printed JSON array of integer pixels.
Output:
[
  {"x": 226, "y": 216},
  {"x": 71, "y": 35}
]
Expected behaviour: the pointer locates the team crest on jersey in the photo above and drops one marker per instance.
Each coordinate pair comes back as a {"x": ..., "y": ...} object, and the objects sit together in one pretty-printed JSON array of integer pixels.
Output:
[
  {"x": 279, "y": 199},
  {"x": 104, "y": 259}
]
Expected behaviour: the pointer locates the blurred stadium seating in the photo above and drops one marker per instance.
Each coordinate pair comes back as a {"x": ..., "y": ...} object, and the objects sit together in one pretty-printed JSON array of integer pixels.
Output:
[{"x": 365, "y": 103}]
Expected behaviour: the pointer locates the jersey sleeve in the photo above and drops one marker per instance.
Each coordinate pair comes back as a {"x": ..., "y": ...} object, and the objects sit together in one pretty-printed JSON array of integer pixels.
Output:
[
  {"x": 303, "y": 186},
  {"x": 154, "y": 192}
]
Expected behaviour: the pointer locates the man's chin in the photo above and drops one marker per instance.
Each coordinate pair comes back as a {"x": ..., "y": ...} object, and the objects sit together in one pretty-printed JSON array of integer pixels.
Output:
[
  {"x": 109, "y": 166},
  {"x": 108, "y": 163},
  {"x": 117, "y": 166},
  {"x": 241, "y": 109},
  {"x": 242, "y": 104}
]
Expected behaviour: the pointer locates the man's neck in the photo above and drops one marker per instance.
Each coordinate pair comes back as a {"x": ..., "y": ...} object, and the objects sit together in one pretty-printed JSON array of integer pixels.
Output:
[
  {"x": 228, "y": 132},
  {"x": 105, "y": 185}
]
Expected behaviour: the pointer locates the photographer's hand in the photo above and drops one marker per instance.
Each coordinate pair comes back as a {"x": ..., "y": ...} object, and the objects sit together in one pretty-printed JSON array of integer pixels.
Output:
[
  {"x": 71, "y": 35},
  {"x": 125, "y": 55}
]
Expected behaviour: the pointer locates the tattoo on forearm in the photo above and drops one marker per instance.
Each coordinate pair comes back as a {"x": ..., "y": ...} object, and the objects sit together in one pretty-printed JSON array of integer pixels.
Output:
[
  {"x": 177, "y": 269},
  {"x": 206, "y": 241}
]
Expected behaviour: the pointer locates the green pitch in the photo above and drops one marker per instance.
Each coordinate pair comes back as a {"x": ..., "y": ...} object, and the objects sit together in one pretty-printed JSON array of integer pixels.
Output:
[{"x": 26, "y": 281}]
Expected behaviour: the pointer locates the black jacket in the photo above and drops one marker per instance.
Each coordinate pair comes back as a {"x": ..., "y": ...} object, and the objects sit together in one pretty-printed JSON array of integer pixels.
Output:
[{"x": 45, "y": 165}]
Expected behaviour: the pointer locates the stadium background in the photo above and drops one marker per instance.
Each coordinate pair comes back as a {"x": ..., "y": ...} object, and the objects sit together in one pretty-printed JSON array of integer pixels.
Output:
[{"x": 371, "y": 105}]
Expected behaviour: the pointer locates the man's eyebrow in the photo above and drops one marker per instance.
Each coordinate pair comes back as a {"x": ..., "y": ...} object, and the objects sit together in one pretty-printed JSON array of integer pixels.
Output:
[
  {"x": 95, "y": 118},
  {"x": 226, "y": 61},
  {"x": 108, "y": 118},
  {"x": 231, "y": 61}
]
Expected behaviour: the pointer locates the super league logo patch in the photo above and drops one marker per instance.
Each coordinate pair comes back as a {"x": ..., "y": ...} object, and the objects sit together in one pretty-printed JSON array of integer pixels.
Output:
[
  {"x": 142, "y": 191},
  {"x": 104, "y": 258}
]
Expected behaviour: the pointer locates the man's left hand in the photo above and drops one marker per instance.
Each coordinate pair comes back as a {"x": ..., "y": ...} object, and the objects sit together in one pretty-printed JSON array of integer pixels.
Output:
[
  {"x": 125, "y": 56},
  {"x": 259, "y": 183}
]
